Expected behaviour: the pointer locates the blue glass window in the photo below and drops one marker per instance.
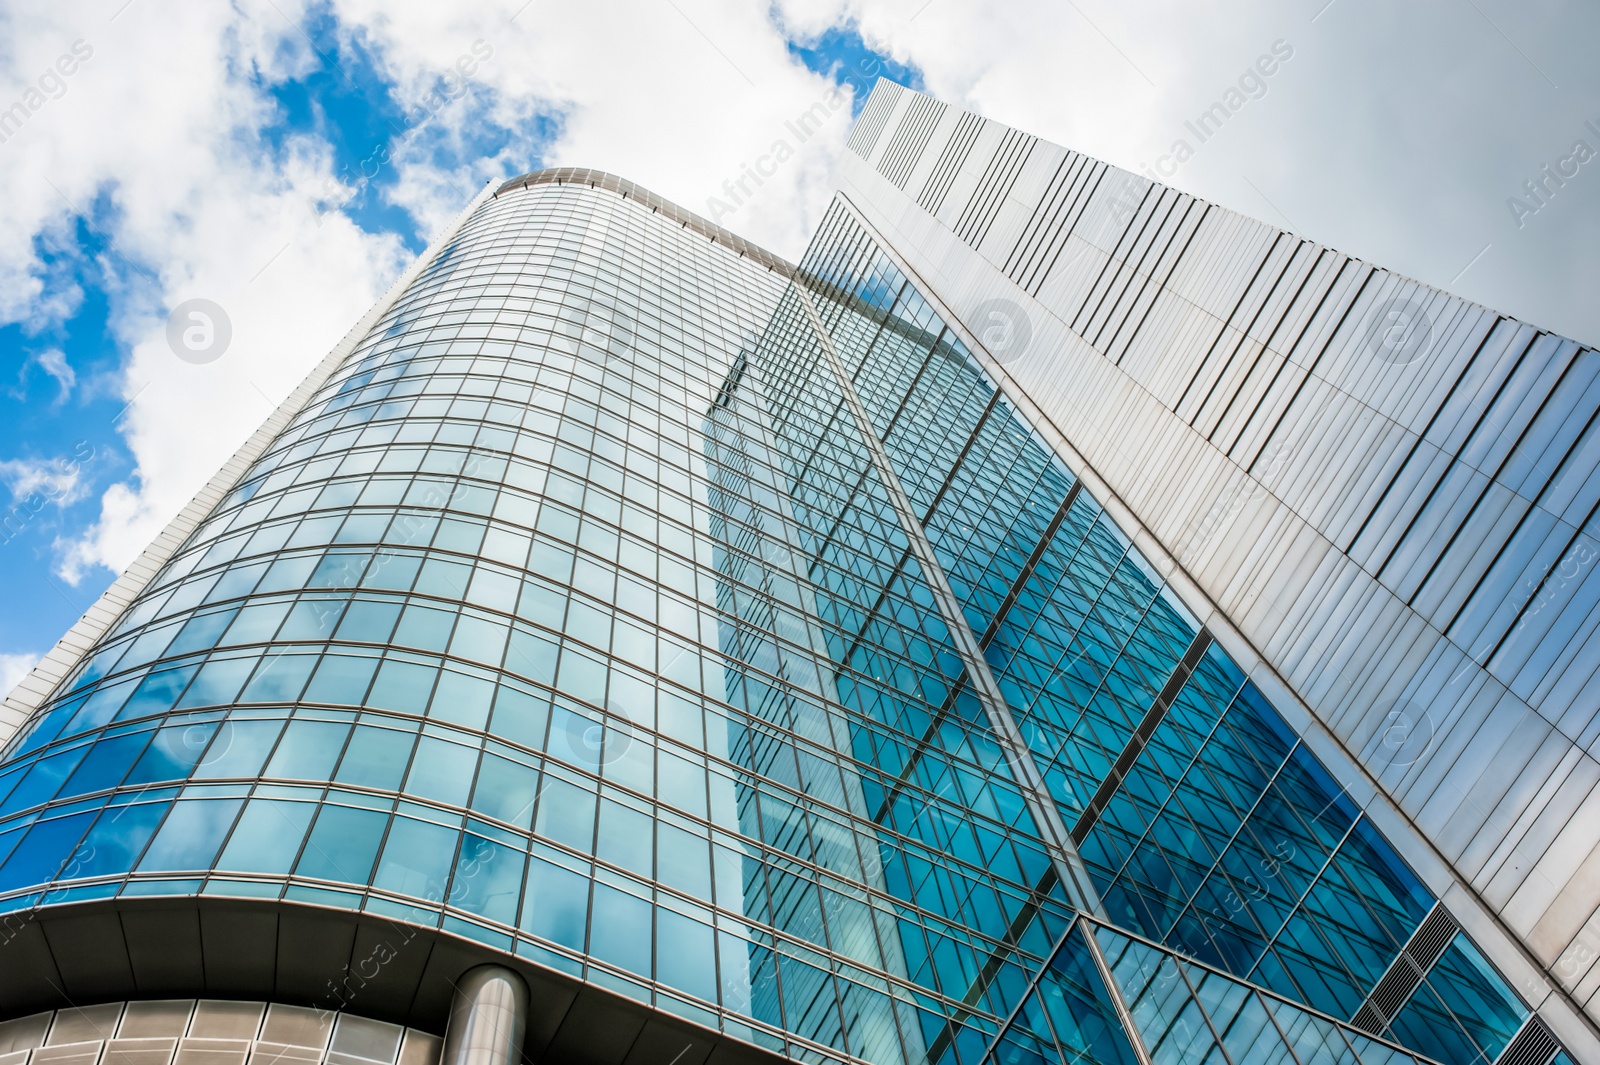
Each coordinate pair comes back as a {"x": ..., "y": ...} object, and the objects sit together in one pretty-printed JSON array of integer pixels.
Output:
[
  {"x": 268, "y": 836},
  {"x": 555, "y": 905},
  {"x": 43, "y": 850},
  {"x": 190, "y": 836},
  {"x": 442, "y": 771},
  {"x": 45, "y": 778},
  {"x": 308, "y": 750},
  {"x": 172, "y": 753},
  {"x": 416, "y": 859},
  {"x": 488, "y": 879},
  {"x": 376, "y": 757},
  {"x": 238, "y": 749},
  {"x": 106, "y": 764},
  {"x": 117, "y": 839},
  {"x": 620, "y": 930},
  {"x": 343, "y": 844},
  {"x": 506, "y": 790}
]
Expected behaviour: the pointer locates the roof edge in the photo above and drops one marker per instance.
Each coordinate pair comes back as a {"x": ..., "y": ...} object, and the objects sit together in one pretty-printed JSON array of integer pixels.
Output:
[{"x": 599, "y": 179}]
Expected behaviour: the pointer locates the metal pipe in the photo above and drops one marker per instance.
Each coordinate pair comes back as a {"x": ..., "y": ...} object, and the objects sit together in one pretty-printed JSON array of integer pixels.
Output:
[{"x": 488, "y": 1018}]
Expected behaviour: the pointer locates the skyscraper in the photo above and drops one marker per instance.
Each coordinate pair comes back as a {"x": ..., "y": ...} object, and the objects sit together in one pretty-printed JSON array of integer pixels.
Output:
[{"x": 1057, "y": 620}]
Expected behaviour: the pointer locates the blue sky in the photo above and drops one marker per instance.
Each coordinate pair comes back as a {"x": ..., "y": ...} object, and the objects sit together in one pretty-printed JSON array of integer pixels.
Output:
[
  {"x": 839, "y": 53},
  {"x": 285, "y": 159},
  {"x": 59, "y": 415}
]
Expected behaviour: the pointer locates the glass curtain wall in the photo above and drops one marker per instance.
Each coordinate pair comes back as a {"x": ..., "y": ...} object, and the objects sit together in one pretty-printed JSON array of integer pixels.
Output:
[{"x": 1205, "y": 822}]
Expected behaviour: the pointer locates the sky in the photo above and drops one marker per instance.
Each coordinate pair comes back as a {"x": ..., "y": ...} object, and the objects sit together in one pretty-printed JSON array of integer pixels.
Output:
[{"x": 283, "y": 161}]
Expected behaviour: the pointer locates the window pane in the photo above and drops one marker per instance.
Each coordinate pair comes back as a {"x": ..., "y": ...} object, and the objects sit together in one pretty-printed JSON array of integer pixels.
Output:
[
  {"x": 44, "y": 779},
  {"x": 376, "y": 757},
  {"x": 116, "y": 840},
  {"x": 566, "y": 814},
  {"x": 556, "y": 906},
  {"x": 416, "y": 859},
  {"x": 308, "y": 750},
  {"x": 442, "y": 771},
  {"x": 106, "y": 764},
  {"x": 506, "y": 790},
  {"x": 620, "y": 931},
  {"x": 190, "y": 836},
  {"x": 173, "y": 753},
  {"x": 462, "y": 700},
  {"x": 268, "y": 836},
  {"x": 685, "y": 957},
  {"x": 488, "y": 879},
  {"x": 402, "y": 687},
  {"x": 156, "y": 693},
  {"x": 238, "y": 749},
  {"x": 343, "y": 844},
  {"x": 341, "y": 679},
  {"x": 42, "y": 851}
]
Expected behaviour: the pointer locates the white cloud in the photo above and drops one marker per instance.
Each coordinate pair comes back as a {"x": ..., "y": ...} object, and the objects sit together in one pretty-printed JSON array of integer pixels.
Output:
[
  {"x": 677, "y": 98},
  {"x": 14, "y": 667},
  {"x": 158, "y": 126},
  {"x": 157, "y": 131},
  {"x": 53, "y": 361},
  {"x": 57, "y": 480}
]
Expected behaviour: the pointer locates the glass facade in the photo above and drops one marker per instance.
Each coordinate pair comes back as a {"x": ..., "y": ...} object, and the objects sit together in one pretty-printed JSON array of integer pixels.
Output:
[
  {"x": 1223, "y": 837},
  {"x": 727, "y": 640}
]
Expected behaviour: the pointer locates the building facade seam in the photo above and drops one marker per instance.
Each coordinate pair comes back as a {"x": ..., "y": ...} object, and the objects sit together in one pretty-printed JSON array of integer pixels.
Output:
[{"x": 1064, "y": 854}]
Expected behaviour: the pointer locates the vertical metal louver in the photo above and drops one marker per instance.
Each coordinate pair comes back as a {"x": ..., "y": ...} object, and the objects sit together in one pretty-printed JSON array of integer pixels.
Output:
[
  {"x": 869, "y": 127},
  {"x": 951, "y": 159},
  {"x": 1532, "y": 1045},
  {"x": 1405, "y": 973},
  {"x": 1009, "y": 158},
  {"x": 910, "y": 140}
]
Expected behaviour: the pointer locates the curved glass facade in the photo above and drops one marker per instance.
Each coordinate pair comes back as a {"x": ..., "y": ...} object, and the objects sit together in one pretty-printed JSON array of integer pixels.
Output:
[
  {"x": 729, "y": 641},
  {"x": 514, "y": 632}
]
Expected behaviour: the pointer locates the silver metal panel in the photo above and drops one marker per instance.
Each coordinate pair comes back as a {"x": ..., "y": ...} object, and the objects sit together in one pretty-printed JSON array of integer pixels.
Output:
[{"x": 488, "y": 1018}]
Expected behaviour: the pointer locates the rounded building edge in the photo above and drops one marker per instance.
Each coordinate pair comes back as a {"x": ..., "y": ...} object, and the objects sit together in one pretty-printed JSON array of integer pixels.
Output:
[
  {"x": 600, "y": 179},
  {"x": 327, "y": 958}
]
